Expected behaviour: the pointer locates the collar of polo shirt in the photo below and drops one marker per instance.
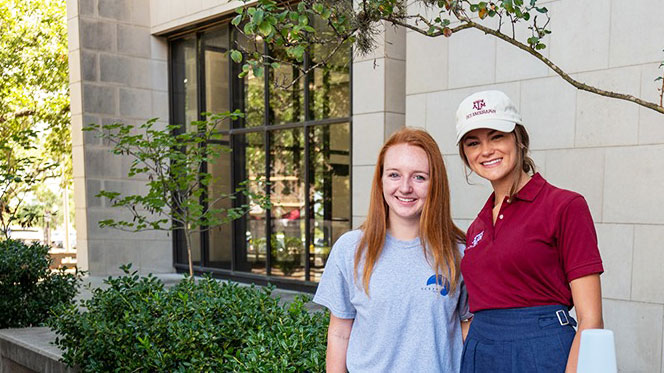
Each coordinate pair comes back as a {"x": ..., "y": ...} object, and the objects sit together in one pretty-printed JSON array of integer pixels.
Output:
[{"x": 531, "y": 189}]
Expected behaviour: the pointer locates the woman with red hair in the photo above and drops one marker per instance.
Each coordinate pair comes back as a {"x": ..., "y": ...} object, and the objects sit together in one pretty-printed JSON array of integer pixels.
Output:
[{"x": 393, "y": 287}]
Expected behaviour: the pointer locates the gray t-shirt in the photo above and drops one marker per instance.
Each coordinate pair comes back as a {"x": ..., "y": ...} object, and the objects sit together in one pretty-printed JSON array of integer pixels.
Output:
[{"x": 408, "y": 324}]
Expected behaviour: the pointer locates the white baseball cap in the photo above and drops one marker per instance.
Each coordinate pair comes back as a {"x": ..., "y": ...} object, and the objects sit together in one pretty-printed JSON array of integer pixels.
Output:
[{"x": 486, "y": 109}]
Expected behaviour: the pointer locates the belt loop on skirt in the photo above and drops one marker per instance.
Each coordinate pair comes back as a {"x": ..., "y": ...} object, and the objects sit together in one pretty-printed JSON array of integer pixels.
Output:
[{"x": 562, "y": 315}]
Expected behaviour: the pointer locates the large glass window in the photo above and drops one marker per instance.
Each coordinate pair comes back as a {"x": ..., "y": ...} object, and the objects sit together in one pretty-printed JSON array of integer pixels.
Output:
[
  {"x": 293, "y": 145},
  {"x": 252, "y": 249},
  {"x": 329, "y": 190},
  {"x": 184, "y": 97}
]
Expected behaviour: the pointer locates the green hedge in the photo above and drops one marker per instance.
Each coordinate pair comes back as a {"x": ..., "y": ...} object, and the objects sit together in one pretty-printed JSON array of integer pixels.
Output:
[
  {"x": 136, "y": 325},
  {"x": 28, "y": 288}
]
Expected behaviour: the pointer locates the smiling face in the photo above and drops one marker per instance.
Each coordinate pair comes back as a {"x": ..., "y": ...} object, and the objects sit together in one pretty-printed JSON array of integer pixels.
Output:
[
  {"x": 406, "y": 182},
  {"x": 491, "y": 154}
]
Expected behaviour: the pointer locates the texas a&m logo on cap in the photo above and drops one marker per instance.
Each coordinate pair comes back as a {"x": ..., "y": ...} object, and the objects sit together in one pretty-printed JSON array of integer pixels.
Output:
[
  {"x": 478, "y": 109},
  {"x": 479, "y": 104}
]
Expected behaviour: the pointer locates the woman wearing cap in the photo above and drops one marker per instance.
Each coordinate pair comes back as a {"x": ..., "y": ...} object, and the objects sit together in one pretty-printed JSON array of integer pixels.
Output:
[
  {"x": 531, "y": 253},
  {"x": 393, "y": 287}
]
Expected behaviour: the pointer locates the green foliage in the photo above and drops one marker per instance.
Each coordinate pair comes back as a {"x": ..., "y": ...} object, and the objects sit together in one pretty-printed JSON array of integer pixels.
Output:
[
  {"x": 34, "y": 60},
  {"x": 288, "y": 25},
  {"x": 290, "y": 28},
  {"x": 34, "y": 99},
  {"x": 29, "y": 288},
  {"x": 172, "y": 160},
  {"x": 508, "y": 13},
  {"x": 33, "y": 214},
  {"x": 286, "y": 251},
  {"x": 22, "y": 171},
  {"x": 136, "y": 325}
]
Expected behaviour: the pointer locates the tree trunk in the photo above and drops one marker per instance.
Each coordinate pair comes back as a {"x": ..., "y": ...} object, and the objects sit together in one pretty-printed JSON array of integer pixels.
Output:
[{"x": 188, "y": 243}]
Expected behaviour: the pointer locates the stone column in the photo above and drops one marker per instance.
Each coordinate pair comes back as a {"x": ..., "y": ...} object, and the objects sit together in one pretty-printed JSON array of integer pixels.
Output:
[
  {"x": 118, "y": 73},
  {"x": 379, "y": 106}
]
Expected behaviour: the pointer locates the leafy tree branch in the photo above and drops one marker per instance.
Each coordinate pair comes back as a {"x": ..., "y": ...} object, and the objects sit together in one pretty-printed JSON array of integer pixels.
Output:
[
  {"x": 287, "y": 26},
  {"x": 178, "y": 193}
]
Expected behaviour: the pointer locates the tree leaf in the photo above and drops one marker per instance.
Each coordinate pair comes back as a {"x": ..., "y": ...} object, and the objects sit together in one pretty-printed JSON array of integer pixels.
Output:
[
  {"x": 236, "y": 56},
  {"x": 257, "y": 17},
  {"x": 236, "y": 20},
  {"x": 265, "y": 28}
]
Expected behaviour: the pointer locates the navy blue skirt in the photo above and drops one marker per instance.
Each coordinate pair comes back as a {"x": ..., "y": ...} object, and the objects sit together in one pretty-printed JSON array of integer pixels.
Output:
[{"x": 531, "y": 339}]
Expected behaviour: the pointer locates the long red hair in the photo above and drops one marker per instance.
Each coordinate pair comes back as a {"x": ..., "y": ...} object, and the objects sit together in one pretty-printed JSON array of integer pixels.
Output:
[{"x": 438, "y": 233}]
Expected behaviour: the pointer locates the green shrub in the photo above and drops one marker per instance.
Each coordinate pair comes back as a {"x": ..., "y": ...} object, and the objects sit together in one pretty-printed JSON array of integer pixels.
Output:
[
  {"x": 28, "y": 288},
  {"x": 136, "y": 325}
]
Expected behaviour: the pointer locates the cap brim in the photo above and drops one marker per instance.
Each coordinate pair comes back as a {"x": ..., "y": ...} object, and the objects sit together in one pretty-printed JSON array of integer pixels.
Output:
[{"x": 494, "y": 124}]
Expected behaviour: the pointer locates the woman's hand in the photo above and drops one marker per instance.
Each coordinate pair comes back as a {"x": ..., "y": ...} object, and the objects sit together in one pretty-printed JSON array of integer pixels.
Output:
[
  {"x": 338, "y": 334},
  {"x": 587, "y": 297},
  {"x": 465, "y": 327}
]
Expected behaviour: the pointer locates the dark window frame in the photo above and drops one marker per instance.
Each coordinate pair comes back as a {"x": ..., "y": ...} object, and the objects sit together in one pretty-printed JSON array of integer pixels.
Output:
[{"x": 236, "y": 98}]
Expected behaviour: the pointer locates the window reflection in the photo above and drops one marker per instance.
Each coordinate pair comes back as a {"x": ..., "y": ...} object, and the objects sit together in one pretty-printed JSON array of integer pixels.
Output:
[
  {"x": 254, "y": 87},
  {"x": 287, "y": 197},
  {"x": 220, "y": 188},
  {"x": 217, "y": 100},
  {"x": 190, "y": 83},
  {"x": 329, "y": 191},
  {"x": 185, "y": 98},
  {"x": 254, "y": 232},
  {"x": 286, "y": 91},
  {"x": 215, "y": 48},
  {"x": 330, "y": 83}
]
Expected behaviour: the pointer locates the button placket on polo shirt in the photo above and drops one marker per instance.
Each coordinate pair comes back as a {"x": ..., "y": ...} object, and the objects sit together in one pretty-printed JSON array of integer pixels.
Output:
[{"x": 501, "y": 215}]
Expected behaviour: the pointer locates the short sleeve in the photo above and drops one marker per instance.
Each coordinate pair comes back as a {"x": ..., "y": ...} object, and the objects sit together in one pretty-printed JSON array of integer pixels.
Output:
[
  {"x": 577, "y": 240},
  {"x": 462, "y": 307},
  {"x": 334, "y": 287}
]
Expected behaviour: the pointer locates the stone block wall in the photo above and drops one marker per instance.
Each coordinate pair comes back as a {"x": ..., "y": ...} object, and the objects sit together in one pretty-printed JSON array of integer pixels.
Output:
[
  {"x": 608, "y": 150},
  {"x": 379, "y": 92},
  {"x": 168, "y": 15},
  {"x": 118, "y": 73}
]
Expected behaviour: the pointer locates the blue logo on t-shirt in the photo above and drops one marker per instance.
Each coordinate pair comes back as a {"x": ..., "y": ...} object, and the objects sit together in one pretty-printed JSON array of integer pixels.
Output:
[{"x": 445, "y": 288}]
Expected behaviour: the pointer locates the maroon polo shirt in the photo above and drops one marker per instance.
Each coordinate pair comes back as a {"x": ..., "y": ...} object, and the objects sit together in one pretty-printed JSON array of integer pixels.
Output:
[{"x": 543, "y": 239}]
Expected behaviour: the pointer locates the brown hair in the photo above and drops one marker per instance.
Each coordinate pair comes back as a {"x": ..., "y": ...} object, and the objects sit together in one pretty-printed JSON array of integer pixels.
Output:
[
  {"x": 523, "y": 161},
  {"x": 438, "y": 233}
]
